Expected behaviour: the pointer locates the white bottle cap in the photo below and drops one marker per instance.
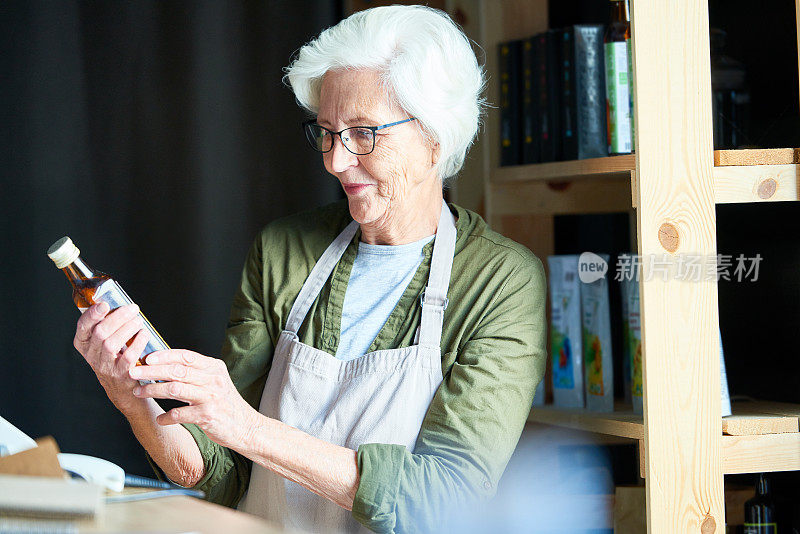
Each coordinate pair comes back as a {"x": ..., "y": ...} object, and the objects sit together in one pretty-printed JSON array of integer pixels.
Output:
[{"x": 63, "y": 252}]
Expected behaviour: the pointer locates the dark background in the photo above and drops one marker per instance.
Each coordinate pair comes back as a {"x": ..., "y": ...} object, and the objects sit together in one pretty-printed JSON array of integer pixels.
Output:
[{"x": 159, "y": 136}]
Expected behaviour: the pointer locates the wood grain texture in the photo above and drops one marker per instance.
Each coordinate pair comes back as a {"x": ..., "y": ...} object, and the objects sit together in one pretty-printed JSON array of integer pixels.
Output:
[
  {"x": 758, "y": 423},
  {"x": 672, "y": 95},
  {"x": 752, "y": 454},
  {"x": 759, "y": 156},
  {"x": 629, "y": 510},
  {"x": 467, "y": 189},
  {"x": 759, "y": 454},
  {"x": 756, "y": 183},
  {"x": 502, "y": 20},
  {"x": 522, "y": 18},
  {"x": 567, "y": 170},
  {"x": 177, "y": 514},
  {"x": 611, "y": 195},
  {"x": 516, "y": 189},
  {"x": 622, "y": 423}
]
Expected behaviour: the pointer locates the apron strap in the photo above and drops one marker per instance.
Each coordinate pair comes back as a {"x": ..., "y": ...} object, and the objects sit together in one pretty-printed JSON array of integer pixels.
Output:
[
  {"x": 319, "y": 275},
  {"x": 434, "y": 296}
]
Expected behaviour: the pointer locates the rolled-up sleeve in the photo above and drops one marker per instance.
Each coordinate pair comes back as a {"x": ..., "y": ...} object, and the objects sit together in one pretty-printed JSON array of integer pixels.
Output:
[{"x": 474, "y": 421}]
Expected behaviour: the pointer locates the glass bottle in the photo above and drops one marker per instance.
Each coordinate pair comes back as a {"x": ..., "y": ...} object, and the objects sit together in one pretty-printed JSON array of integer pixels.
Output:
[
  {"x": 759, "y": 512},
  {"x": 90, "y": 286},
  {"x": 619, "y": 80}
]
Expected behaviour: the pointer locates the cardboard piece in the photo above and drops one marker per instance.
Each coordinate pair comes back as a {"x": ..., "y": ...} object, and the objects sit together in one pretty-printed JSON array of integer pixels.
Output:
[{"x": 40, "y": 461}]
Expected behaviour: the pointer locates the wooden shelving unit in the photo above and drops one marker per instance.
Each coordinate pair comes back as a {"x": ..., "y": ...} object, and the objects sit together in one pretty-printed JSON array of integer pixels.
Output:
[
  {"x": 758, "y": 437},
  {"x": 609, "y": 184},
  {"x": 670, "y": 188}
]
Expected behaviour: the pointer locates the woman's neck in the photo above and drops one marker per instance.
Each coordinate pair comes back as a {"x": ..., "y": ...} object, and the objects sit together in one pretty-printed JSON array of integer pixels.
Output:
[{"x": 406, "y": 223}]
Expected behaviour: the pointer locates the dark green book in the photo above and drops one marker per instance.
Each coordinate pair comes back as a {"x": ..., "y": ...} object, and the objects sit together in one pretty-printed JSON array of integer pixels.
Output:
[
  {"x": 529, "y": 96},
  {"x": 510, "y": 105}
]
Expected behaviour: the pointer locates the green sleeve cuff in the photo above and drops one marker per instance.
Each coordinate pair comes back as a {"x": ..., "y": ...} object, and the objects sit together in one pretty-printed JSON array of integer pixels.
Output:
[{"x": 380, "y": 468}]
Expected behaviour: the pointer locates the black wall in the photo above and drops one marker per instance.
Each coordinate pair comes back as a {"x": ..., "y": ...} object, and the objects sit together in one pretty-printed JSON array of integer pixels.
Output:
[{"x": 159, "y": 136}]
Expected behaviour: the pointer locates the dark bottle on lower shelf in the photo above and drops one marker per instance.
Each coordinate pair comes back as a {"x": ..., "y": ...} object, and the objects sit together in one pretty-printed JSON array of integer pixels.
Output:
[{"x": 759, "y": 512}]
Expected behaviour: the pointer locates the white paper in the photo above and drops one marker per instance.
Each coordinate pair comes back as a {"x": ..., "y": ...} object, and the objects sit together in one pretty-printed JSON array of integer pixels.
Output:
[
  {"x": 723, "y": 376},
  {"x": 13, "y": 440}
]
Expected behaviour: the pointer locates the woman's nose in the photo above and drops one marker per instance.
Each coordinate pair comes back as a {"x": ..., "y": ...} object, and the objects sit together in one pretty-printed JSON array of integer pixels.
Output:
[{"x": 341, "y": 158}]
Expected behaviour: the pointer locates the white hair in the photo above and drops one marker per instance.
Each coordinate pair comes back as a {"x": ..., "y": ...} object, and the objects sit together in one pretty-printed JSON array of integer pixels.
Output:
[{"x": 426, "y": 65}]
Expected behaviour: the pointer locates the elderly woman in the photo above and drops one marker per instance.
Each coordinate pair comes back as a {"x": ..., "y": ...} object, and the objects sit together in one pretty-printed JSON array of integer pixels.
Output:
[{"x": 382, "y": 353}]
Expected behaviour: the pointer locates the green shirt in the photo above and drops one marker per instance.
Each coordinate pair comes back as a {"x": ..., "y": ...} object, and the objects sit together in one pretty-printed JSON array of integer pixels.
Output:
[{"x": 493, "y": 357}]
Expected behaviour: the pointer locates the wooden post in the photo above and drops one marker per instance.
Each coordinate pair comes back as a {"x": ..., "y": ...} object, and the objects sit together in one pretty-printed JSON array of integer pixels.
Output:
[{"x": 675, "y": 212}]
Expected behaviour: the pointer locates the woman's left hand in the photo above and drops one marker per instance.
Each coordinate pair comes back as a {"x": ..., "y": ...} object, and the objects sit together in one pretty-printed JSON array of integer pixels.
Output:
[{"x": 204, "y": 383}]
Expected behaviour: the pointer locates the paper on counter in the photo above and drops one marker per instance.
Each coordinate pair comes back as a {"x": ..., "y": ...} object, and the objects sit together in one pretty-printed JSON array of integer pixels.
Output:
[{"x": 13, "y": 440}]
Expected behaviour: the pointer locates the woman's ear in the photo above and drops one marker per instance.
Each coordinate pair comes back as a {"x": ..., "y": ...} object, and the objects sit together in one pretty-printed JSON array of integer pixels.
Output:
[{"x": 435, "y": 153}]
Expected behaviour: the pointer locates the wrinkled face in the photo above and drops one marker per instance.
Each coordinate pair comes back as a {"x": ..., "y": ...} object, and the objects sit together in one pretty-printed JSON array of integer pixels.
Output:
[{"x": 400, "y": 168}]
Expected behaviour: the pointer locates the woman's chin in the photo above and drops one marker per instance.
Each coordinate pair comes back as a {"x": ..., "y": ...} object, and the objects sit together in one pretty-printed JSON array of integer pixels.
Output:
[{"x": 362, "y": 210}]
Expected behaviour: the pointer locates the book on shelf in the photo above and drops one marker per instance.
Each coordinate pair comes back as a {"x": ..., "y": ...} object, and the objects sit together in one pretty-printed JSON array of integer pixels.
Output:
[
  {"x": 552, "y": 96},
  {"x": 583, "y": 101},
  {"x": 529, "y": 97},
  {"x": 547, "y": 85},
  {"x": 509, "y": 66}
]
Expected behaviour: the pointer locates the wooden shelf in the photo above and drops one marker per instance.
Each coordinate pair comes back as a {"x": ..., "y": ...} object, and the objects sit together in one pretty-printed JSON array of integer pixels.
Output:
[
  {"x": 767, "y": 437},
  {"x": 749, "y": 418},
  {"x": 761, "y": 453},
  {"x": 760, "y": 156},
  {"x": 567, "y": 170},
  {"x": 622, "y": 165},
  {"x": 610, "y": 184},
  {"x": 622, "y": 422}
]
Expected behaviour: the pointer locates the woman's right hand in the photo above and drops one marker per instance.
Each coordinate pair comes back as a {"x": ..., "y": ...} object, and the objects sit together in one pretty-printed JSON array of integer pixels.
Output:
[{"x": 100, "y": 337}]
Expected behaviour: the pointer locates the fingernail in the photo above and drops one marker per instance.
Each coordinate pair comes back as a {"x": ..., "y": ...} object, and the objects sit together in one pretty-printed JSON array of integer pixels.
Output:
[
  {"x": 137, "y": 390},
  {"x": 134, "y": 308},
  {"x": 102, "y": 308},
  {"x": 151, "y": 359},
  {"x": 135, "y": 372}
]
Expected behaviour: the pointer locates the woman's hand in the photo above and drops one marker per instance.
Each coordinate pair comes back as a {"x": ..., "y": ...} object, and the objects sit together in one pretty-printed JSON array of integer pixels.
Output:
[
  {"x": 101, "y": 339},
  {"x": 204, "y": 383}
]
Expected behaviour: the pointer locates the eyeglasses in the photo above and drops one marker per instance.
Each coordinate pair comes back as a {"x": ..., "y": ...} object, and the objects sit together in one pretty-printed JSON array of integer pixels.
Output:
[{"x": 360, "y": 140}]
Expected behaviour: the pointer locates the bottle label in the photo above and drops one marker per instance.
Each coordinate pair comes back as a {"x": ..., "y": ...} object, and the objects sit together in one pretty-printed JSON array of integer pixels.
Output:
[
  {"x": 618, "y": 98},
  {"x": 112, "y": 293},
  {"x": 760, "y": 528}
]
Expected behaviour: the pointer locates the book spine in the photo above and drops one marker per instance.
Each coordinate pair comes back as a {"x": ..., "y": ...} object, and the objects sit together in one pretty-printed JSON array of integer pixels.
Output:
[
  {"x": 590, "y": 88},
  {"x": 510, "y": 103},
  {"x": 553, "y": 79},
  {"x": 540, "y": 84},
  {"x": 569, "y": 125},
  {"x": 529, "y": 96}
]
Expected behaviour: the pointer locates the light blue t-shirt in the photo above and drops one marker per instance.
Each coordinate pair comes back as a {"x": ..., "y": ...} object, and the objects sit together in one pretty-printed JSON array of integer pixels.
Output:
[{"x": 378, "y": 279}]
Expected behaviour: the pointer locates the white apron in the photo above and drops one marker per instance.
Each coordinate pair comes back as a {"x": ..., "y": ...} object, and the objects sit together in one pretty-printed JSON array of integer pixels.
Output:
[{"x": 379, "y": 397}]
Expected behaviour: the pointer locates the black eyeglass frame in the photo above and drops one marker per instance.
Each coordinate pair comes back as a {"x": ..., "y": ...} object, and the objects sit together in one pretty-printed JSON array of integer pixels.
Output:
[{"x": 312, "y": 122}]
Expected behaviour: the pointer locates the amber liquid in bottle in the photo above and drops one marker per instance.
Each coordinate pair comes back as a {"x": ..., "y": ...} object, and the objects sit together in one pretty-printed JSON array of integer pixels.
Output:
[{"x": 90, "y": 286}]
